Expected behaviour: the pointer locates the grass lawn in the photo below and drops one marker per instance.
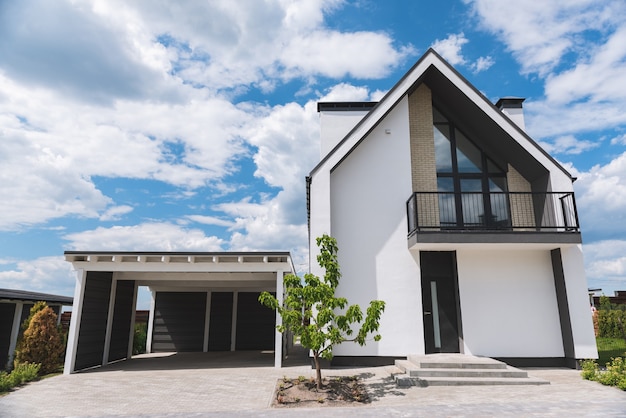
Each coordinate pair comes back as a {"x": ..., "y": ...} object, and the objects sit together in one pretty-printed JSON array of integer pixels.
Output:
[{"x": 610, "y": 347}]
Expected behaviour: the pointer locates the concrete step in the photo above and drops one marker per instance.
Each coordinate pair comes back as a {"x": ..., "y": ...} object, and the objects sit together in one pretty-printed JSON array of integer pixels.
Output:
[
  {"x": 453, "y": 360},
  {"x": 459, "y": 370},
  {"x": 470, "y": 381}
]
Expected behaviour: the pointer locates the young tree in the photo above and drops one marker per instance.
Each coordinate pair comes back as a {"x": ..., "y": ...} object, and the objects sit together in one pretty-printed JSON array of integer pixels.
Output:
[
  {"x": 42, "y": 342},
  {"x": 312, "y": 311}
]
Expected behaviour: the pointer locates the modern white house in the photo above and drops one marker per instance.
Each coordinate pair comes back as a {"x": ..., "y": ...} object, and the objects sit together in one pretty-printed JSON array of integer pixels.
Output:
[{"x": 445, "y": 208}]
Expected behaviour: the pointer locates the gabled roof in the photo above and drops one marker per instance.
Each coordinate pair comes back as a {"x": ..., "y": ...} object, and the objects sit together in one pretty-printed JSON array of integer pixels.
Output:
[
  {"x": 458, "y": 95},
  {"x": 23, "y": 295}
]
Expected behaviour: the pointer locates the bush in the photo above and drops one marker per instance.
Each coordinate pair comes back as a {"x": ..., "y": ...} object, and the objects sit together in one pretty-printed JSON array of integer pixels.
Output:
[
  {"x": 42, "y": 342},
  {"x": 611, "y": 323},
  {"x": 22, "y": 373},
  {"x": 614, "y": 375},
  {"x": 139, "y": 340},
  {"x": 6, "y": 382},
  {"x": 589, "y": 369}
]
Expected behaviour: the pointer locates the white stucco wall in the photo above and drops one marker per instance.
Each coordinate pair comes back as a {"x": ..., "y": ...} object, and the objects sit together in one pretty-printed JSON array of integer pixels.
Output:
[
  {"x": 508, "y": 303},
  {"x": 578, "y": 301},
  {"x": 368, "y": 205},
  {"x": 335, "y": 125}
]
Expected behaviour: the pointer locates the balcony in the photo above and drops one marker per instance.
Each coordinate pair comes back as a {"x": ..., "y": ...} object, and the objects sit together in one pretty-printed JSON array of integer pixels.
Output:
[{"x": 548, "y": 217}]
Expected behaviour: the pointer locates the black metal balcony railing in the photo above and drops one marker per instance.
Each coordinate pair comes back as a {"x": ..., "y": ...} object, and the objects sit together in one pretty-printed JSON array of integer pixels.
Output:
[{"x": 495, "y": 211}]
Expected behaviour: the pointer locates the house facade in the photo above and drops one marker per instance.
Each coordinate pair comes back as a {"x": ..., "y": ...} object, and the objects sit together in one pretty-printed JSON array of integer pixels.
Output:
[{"x": 446, "y": 209}]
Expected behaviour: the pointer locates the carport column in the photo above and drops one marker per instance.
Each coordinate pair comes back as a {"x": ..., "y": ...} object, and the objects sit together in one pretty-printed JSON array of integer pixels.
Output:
[
  {"x": 77, "y": 309},
  {"x": 233, "y": 329},
  {"x": 207, "y": 323},
  {"x": 107, "y": 336},
  {"x": 15, "y": 331},
  {"x": 278, "y": 338},
  {"x": 150, "y": 322},
  {"x": 131, "y": 335}
]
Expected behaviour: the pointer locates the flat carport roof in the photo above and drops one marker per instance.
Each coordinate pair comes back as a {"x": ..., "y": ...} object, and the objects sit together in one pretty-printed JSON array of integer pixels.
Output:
[{"x": 106, "y": 292}]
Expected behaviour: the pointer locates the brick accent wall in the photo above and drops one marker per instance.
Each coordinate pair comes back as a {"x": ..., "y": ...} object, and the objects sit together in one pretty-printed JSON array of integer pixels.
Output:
[
  {"x": 423, "y": 169},
  {"x": 522, "y": 211}
]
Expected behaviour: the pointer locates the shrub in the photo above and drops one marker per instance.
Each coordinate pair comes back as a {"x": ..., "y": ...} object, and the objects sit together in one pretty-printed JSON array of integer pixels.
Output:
[
  {"x": 589, "y": 369},
  {"x": 611, "y": 323},
  {"x": 39, "y": 306},
  {"x": 139, "y": 340},
  {"x": 6, "y": 382},
  {"x": 22, "y": 373},
  {"x": 614, "y": 375},
  {"x": 42, "y": 342}
]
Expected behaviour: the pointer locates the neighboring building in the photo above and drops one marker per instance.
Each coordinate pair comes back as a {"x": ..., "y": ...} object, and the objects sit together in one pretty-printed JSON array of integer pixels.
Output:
[
  {"x": 200, "y": 302},
  {"x": 618, "y": 298},
  {"x": 14, "y": 310},
  {"x": 443, "y": 207}
]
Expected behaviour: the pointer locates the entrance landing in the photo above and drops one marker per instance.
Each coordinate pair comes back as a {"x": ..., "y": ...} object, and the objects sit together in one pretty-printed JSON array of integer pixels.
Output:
[{"x": 453, "y": 369}]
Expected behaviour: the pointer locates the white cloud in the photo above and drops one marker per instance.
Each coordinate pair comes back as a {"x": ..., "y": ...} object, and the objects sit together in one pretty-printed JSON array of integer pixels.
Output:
[
  {"x": 450, "y": 48},
  {"x": 143, "y": 237},
  {"x": 601, "y": 197},
  {"x": 49, "y": 155},
  {"x": 573, "y": 118},
  {"x": 605, "y": 264},
  {"x": 599, "y": 77},
  {"x": 568, "y": 144},
  {"x": 41, "y": 46},
  {"x": 224, "y": 43},
  {"x": 620, "y": 139},
  {"x": 115, "y": 213},
  {"x": 540, "y": 33},
  {"x": 345, "y": 92},
  {"x": 482, "y": 64},
  {"x": 334, "y": 54},
  {"x": 46, "y": 275},
  {"x": 210, "y": 220}
]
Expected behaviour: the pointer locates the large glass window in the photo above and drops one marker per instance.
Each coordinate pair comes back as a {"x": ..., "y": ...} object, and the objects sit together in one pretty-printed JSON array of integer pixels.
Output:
[{"x": 472, "y": 186}]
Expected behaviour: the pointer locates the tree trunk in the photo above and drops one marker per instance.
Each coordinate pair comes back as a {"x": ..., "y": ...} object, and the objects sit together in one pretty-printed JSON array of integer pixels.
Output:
[{"x": 318, "y": 370}]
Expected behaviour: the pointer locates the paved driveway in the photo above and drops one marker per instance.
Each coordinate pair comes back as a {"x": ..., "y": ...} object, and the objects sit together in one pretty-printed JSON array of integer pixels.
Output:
[{"x": 209, "y": 384}]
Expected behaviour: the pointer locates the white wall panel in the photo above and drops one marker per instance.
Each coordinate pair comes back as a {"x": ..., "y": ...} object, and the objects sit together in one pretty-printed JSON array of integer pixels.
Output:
[
  {"x": 508, "y": 304},
  {"x": 368, "y": 217}
]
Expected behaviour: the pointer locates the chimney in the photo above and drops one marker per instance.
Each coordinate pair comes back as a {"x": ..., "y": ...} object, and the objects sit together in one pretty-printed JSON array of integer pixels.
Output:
[
  {"x": 337, "y": 119},
  {"x": 512, "y": 107}
]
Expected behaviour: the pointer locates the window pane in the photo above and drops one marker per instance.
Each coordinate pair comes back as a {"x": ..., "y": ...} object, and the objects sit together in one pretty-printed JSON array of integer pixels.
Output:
[
  {"x": 447, "y": 206},
  {"x": 472, "y": 201},
  {"x": 468, "y": 156},
  {"x": 499, "y": 202},
  {"x": 443, "y": 158}
]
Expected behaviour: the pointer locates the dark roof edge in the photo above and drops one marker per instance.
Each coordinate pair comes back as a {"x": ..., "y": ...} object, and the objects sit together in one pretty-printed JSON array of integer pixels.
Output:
[
  {"x": 25, "y": 295},
  {"x": 344, "y": 106},
  {"x": 218, "y": 253}
]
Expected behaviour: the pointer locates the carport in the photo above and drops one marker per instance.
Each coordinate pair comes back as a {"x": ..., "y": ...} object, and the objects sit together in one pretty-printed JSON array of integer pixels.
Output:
[{"x": 200, "y": 302}]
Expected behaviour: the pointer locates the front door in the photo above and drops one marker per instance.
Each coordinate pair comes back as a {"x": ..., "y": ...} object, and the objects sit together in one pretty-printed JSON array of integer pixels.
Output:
[{"x": 440, "y": 302}]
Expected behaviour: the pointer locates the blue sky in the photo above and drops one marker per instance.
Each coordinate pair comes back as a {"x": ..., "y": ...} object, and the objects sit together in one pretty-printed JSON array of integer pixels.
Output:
[{"x": 158, "y": 126}]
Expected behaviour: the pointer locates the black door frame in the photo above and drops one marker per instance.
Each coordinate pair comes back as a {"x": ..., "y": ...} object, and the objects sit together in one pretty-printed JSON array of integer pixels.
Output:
[{"x": 454, "y": 331}]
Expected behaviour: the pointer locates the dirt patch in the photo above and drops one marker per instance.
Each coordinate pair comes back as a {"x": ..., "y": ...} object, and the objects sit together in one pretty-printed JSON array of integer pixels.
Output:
[{"x": 336, "y": 391}]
